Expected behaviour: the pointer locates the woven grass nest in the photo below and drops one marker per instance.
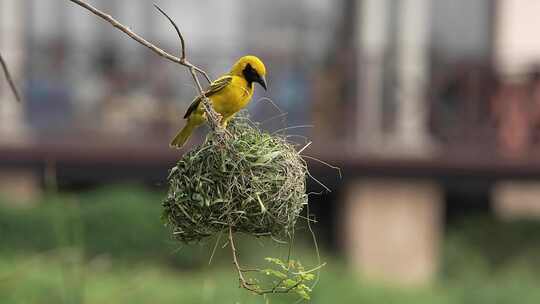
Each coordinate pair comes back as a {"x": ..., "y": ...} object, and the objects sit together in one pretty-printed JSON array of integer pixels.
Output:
[{"x": 254, "y": 183}]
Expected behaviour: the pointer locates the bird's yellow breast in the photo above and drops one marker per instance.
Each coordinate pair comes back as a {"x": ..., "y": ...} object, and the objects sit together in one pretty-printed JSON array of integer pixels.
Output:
[{"x": 233, "y": 97}]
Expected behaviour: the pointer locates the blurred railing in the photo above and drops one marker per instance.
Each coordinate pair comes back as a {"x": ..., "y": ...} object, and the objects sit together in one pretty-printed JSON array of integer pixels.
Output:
[{"x": 474, "y": 111}]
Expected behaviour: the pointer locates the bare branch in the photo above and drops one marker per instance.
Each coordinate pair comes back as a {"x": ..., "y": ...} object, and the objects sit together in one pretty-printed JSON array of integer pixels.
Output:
[
  {"x": 9, "y": 79},
  {"x": 213, "y": 117},
  {"x": 182, "y": 43},
  {"x": 243, "y": 283},
  {"x": 277, "y": 288}
]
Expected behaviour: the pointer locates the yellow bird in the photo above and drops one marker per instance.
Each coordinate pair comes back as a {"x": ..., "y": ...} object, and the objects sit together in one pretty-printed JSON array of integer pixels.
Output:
[{"x": 229, "y": 94}]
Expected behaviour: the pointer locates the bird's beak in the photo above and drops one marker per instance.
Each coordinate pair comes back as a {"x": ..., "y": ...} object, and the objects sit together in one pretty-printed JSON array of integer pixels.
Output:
[{"x": 262, "y": 81}]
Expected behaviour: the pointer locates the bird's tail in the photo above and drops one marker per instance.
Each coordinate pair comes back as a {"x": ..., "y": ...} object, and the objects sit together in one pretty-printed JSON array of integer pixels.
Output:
[{"x": 180, "y": 139}]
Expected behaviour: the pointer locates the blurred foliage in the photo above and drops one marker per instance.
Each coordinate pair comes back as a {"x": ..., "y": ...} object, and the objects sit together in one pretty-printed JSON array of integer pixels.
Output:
[
  {"x": 488, "y": 260},
  {"x": 491, "y": 246},
  {"x": 65, "y": 276},
  {"x": 109, "y": 246},
  {"x": 118, "y": 221}
]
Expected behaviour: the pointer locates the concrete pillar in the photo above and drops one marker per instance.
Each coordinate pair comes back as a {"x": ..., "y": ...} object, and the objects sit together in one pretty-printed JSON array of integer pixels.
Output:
[
  {"x": 411, "y": 132},
  {"x": 392, "y": 229},
  {"x": 19, "y": 187},
  {"x": 12, "y": 18},
  {"x": 411, "y": 44},
  {"x": 371, "y": 40},
  {"x": 517, "y": 199},
  {"x": 516, "y": 47}
]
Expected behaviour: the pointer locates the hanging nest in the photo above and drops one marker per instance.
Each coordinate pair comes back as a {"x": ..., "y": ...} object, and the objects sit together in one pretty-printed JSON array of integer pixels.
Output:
[{"x": 254, "y": 183}]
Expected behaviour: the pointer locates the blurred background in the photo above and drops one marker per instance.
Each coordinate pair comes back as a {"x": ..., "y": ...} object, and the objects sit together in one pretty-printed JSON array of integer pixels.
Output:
[{"x": 430, "y": 108}]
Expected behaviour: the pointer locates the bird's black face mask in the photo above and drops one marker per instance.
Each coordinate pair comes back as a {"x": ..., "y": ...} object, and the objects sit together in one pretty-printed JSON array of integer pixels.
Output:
[{"x": 252, "y": 76}]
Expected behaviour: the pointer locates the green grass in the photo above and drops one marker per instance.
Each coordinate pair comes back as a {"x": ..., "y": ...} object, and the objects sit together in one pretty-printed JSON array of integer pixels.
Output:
[
  {"x": 64, "y": 276},
  {"x": 110, "y": 246},
  {"x": 121, "y": 222}
]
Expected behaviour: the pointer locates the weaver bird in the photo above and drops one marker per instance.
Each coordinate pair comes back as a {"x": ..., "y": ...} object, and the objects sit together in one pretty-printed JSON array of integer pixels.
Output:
[{"x": 229, "y": 94}]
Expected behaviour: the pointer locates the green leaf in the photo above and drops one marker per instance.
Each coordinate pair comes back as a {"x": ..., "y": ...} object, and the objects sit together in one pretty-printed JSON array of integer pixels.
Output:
[
  {"x": 307, "y": 276},
  {"x": 302, "y": 293},
  {"x": 289, "y": 283},
  {"x": 274, "y": 273}
]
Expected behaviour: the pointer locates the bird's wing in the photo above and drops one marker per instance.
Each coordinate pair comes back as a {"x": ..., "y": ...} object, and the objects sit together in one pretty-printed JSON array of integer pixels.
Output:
[{"x": 216, "y": 86}]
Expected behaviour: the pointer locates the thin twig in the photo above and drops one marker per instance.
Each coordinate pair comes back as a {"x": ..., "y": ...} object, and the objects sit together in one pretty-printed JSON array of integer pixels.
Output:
[
  {"x": 282, "y": 114},
  {"x": 213, "y": 117},
  {"x": 215, "y": 247},
  {"x": 182, "y": 42},
  {"x": 319, "y": 182},
  {"x": 316, "y": 245},
  {"x": 243, "y": 283},
  {"x": 338, "y": 169},
  {"x": 10, "y": 79},
  {"x": 138, "y": 38},
  {"x": 293, "y": 127},
  {"x": 305, "y": 147},
  {"x": 277, "y": 288}
]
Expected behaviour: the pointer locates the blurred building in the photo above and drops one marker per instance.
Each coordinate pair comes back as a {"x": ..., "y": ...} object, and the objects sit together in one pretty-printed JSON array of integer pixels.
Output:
[
  {"x": 451, "y": 86},
  {"x": 92, "y": 95},
  {"x": 79, "y": 70}
]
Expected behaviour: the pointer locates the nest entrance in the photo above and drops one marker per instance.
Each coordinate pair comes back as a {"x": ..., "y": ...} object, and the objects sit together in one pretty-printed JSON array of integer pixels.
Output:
[{"x": 254, "y": 183}]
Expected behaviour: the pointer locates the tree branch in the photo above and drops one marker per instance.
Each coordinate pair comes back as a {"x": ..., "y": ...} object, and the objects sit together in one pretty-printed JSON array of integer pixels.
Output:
[
  {"x": 213, "y": 117},
  {"x": 277, "y": 288},
  {"x": 243, "y": 283},
  {"x": 9, "y": 79}
]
